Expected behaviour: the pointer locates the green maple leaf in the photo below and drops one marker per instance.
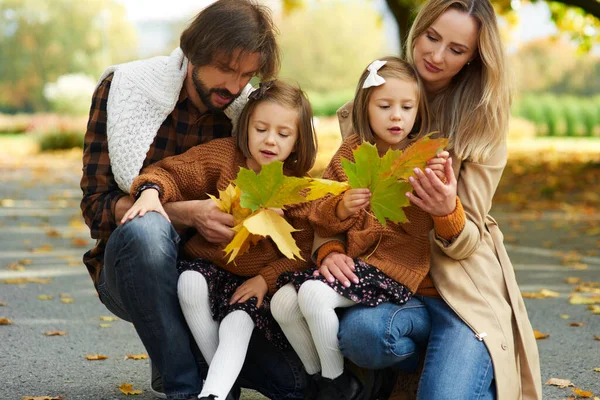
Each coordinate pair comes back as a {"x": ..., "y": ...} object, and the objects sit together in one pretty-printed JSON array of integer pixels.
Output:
[
  {"x": 270, "y": 188},
  {"x": 388, "y": 198}
]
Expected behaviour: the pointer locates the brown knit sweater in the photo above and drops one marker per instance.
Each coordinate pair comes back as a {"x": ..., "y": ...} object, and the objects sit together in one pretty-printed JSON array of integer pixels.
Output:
[
  {"x": 210, "y": 167},
  {"x": 401, "y": 251}
]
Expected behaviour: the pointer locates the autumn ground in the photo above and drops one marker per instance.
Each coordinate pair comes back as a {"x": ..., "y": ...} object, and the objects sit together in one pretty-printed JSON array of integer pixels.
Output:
[{"x": 548, "y": 206}]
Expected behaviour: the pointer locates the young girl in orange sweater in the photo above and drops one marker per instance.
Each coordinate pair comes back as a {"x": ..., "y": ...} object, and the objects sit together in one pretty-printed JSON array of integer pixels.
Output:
[
  {"x": 223, "y": 303},
  {"x": 385, "y": 263}
]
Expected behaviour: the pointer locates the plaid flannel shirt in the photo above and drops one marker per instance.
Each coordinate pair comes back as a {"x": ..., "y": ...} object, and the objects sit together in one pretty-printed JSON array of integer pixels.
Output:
[{"x": 183, "y": 129}]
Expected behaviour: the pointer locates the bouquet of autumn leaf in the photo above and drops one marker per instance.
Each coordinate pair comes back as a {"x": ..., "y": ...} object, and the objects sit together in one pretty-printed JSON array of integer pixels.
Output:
[{"x": 252, "y": 200}]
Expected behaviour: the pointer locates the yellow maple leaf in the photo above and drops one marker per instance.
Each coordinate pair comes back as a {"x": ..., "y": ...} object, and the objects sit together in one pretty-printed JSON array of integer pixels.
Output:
[
  {"x": 127, "y": 388},
  {"x": 578, "y": 299},
  {"x": 582, "y": 393},
  {"x": 321, "y": 187},
  {"x": 5, "y": 321},
  {"x": 226, "y": 198},
  {"x": 95, "y": 357},
  {"x": 136, "y": 357},
  {"x": 239, "y": 244},
  {"x": 595, "y": 309},
  {"x": 267, "y": 222},
  {"x": 561, "y": 383},
  {"x": 539, "y": 335}
]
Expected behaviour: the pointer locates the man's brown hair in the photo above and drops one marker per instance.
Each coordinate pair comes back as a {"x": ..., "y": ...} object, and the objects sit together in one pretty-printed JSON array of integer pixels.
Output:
[
  {"x": 303, "y": 157},
  {"x": 228, "y": 25}
]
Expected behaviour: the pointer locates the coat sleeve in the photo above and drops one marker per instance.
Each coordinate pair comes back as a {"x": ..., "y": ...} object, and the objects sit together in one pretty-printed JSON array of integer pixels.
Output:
[{"x": 476, "y": 185}]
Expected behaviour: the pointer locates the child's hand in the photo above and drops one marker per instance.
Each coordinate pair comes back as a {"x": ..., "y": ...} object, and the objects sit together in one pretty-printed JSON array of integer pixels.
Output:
[
  {"x": 148, "y": 201},
  {"x": 353, "y": 201},
  {"x": 337, "y": 266},
  {"x": 437, "y": 163},
  {"x": 253, "y": 287}
]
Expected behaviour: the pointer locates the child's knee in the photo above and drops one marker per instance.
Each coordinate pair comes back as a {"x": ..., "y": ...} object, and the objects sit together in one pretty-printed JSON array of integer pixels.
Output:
[
  {"x": 191, "y": 287},
  {"x": 284, "y": 304}
]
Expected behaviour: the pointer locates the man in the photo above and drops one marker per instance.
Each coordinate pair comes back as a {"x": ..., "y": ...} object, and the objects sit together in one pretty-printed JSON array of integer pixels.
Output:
[{"x": 142, "y": 112}]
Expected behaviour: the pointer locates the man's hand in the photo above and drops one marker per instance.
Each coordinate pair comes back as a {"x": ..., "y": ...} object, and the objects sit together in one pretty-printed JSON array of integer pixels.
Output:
[
  {"x": 210, "y": 222},
  {"x": 253, "y": 287},
  {"x": 148, "y": 201},
  {"x": 337, "y": 266}
]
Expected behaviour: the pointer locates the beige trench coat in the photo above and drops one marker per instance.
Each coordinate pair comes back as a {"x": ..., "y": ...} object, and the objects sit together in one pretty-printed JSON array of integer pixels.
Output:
[{"x": 476, "y": 278}]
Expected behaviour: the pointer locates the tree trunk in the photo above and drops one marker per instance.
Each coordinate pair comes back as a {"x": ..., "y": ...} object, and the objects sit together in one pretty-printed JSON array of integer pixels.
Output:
[{"x": 402, "y": 14}]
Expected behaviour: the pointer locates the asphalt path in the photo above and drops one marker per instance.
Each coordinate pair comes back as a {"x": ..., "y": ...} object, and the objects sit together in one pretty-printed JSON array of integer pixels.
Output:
[{"x": 42, "y": 236}]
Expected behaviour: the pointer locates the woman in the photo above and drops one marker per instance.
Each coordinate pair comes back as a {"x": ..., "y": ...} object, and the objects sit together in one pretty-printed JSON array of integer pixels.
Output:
[{"x": 481, "y": 343}]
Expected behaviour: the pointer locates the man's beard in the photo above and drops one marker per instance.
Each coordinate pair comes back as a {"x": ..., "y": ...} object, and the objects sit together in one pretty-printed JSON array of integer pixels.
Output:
[{"x": 205, "y": 93}]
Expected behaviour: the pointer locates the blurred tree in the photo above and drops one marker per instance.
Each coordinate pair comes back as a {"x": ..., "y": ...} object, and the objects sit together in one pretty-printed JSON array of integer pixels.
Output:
[
  {"x": 325, "y": 53},
  {"x": 578, "y": 18},
  {"x": 41, "y": 40}
]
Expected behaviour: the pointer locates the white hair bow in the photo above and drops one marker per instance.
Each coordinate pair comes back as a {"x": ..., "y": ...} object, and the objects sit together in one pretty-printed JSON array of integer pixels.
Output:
[{"x": 374, "y": 79}]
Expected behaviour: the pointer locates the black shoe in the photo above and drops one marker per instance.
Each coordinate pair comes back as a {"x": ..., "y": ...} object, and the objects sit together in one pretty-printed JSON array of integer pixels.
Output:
[
  {"x": 312, "y": 386},
  {"x": 344, "y": 387},
  {"x": 156, "y": 383},
  {"x": 385, "y": 381},
  {"x": 234, "y": 393}
]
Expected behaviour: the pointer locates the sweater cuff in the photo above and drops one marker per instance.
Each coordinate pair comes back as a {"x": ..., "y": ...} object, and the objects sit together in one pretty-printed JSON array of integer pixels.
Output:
[
  {"x": 328, "y": 248},
  {"x": 451, "y": 225},
  {"x": 270, "y": 276}
]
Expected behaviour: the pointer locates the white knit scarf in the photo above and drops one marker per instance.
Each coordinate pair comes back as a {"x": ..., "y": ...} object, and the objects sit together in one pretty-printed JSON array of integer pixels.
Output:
[{"x": 142, "y": 94}]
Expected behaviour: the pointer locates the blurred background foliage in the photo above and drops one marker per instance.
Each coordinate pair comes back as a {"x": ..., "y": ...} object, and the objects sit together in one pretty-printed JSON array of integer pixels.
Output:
[{"x": 53, "y": 51}]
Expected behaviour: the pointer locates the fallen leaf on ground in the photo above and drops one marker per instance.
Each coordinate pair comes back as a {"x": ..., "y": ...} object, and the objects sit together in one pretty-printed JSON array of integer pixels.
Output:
[
  {"x": 15, "y": 267},
  {"x": 53, "y": 233},
  {"x": 79, "y": 242},
  {"x": 2, "y": 304},
  {"x": 595, "y": 309},
  {"x": 582, "y": 393},
  {"x": 67, "y": 300},
  {"x": 561, "y": 383},
  {"x": 542, "y": 294},
  {"x": 41, "y": 398},
  {"x": 596, "y": 369},
  {"x": 547, "y": 244},
  {"x": 108, "y": 318},
  {"x": 596, "y": 337},
  {"x": 45, "y": 297},
  {"x": 46, "y": 248},
  {"x": 136, "y": 356},
  {"x": 564, "y": 316},
  {"x": 578, "y": 299},
  {"x": 579, "y": 266},
  {"x": 572, "y": 280},
  {"x": 127, "y": 388},
  {"x": 19, "y": 281},
  {"x": 5, "y": 321},
  {"x": 105, "y": 325},
  {"x": 539, "y": 335},
  {"x": 25, "y": 261},
  {"x": 94, "y": 357},
  {"x": 576, "y": 324},
  {"x": 55, "y": 333}
]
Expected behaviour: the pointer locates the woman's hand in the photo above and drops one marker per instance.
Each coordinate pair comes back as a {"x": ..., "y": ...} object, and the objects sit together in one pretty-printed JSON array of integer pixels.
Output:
[
  {"x": 253, "y": 287},
  {"x": 148, "y": 201},
  {"x": 438, "y": 163},
  {"x": 431, "y": 194},
  {"x": 353, "y": 201},
  {"x": 337, "y": 266}
]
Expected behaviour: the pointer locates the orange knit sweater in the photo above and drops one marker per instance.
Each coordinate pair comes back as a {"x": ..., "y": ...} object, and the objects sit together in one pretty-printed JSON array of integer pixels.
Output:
[
  {"x": 210, "y": 167},
  {"x": 401, "y": 251}
]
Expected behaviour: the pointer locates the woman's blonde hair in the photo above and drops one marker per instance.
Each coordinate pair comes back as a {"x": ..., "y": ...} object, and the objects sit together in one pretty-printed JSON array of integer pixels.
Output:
[
  {"x": 473, "y": 111},
  {"x": 303, "y": 157},
  {"x": 394, "y": 68}
]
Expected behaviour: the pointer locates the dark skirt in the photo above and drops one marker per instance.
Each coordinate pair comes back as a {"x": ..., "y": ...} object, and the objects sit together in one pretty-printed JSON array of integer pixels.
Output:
[
  {"x": 222, "y": 285},
  {"x": 374, "y": 286}
]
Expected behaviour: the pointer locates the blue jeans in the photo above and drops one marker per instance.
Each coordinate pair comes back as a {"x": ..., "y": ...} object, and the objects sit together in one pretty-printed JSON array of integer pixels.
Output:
[
  {"x": 457, "y": 365},
  {"x": 139, "y": 284}
]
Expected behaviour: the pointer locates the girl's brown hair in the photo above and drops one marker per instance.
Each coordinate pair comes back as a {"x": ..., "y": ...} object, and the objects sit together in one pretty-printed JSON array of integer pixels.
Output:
[
  {"x": 228, "y": 25},
  {"x": 303, "y": 157},
  {"x": 474, "y": 109},
  {"x": 394, "y": 68}
]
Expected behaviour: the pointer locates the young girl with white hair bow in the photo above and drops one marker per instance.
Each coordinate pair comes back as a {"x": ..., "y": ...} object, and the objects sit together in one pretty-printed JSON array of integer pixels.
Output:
[{"x": 378, "y": 263}]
